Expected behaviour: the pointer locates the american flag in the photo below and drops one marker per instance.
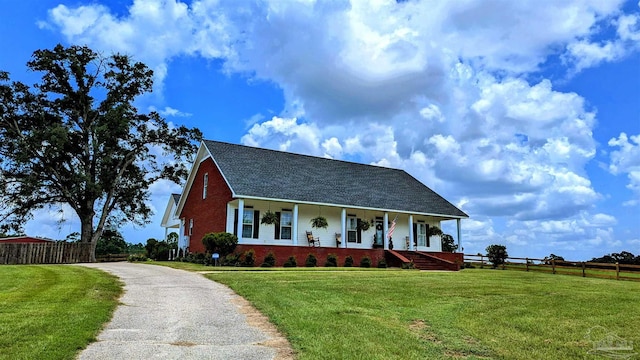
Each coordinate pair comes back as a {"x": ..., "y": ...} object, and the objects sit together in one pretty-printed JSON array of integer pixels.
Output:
[{"x": 393, "y": 227}]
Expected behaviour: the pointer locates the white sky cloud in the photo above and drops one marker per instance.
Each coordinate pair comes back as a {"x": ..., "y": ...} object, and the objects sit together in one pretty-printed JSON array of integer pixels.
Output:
[{"x": 440, "y": 90}]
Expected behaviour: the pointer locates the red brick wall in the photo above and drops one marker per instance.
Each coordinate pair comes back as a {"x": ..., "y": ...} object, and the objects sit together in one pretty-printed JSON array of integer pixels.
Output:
[
  {"x": 210, "y": 214},
  {"x": 282, "y": 253},
  {"x": 453, "y": 257}
]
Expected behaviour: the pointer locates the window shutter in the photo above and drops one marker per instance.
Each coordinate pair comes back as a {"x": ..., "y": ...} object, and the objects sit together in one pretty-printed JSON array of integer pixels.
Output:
[
  {"x": 235, "y": 222},
  {"x": 428, "y": 237},
  {"x": 359, "y": 233},
  {"x": 415, "y": 233},
  {"x": 276, "y": 235},
  {"x": 256, "y": 224}
]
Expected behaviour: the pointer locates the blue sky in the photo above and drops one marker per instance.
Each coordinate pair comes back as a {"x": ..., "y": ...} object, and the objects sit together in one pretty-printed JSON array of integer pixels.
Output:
[{"x": 526, "y": 115}]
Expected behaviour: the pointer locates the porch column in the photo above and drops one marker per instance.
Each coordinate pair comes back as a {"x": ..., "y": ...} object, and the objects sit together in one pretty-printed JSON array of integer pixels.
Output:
[
  {"x": 343, "y": 228},
  {"x": 181, "y": 239},
  {"x": 385, "y": 230},
  {"x": 458, "y": 226},
  {"x": 240, "y": 217},
  {"x": 411, "y": 233},
  {"x": 294, "y": 226}
]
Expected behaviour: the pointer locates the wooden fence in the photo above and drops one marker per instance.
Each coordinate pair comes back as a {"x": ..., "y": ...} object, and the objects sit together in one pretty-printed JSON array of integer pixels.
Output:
[
  {"x": 45, "y": 253},
  {"x": 578, "y": 268}
]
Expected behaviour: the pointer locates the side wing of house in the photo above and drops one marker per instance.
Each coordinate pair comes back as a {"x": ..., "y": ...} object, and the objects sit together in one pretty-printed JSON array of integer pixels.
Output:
[{"x": 203, "y": 205}]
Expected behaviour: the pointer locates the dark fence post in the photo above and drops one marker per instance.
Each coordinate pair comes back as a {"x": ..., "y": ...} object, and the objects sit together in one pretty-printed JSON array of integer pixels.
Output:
[
  {"x": 583, "y": 270},
  {"x": 553, "y": 265},
  {"x": 617, "y": 271}
]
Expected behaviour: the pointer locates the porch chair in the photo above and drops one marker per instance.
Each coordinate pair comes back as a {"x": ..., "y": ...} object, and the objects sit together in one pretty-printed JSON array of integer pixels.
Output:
[{"x": 313, "y": 241}]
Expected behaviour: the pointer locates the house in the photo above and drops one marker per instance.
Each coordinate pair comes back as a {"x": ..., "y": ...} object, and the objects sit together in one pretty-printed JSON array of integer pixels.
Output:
[
  {"x": 230, "y": 187},
  {"x": 24, "y": 240},
  {"x": 170, "y": 220}
]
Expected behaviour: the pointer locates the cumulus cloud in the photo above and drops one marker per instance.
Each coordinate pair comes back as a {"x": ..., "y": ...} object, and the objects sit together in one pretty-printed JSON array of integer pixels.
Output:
[
  {"x": 626, "y": 160},
  {"x": 169, "y": 111},
  {"x": 437, "y": 88}
]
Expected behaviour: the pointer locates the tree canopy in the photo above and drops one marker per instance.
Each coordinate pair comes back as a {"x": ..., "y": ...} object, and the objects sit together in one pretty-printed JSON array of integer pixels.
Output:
[{"x": 76, "y": 138}]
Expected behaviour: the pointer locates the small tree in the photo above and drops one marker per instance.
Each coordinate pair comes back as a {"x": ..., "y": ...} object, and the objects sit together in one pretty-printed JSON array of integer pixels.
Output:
[
  {"x": 448, "y": 244},
  {"x": 111, "y": 242},
  {"x": 497, "y": 254},
  {"x": 222, "y": 243}
]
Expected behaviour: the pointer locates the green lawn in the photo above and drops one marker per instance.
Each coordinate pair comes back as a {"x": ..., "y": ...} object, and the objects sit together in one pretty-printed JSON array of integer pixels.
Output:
[
  {"x": 471, "y": 314},
  {"x": 52, "y": 311}
]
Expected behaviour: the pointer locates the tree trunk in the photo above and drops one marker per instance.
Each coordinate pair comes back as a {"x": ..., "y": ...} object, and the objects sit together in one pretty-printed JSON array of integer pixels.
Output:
[{"x": 86, "y": 233}]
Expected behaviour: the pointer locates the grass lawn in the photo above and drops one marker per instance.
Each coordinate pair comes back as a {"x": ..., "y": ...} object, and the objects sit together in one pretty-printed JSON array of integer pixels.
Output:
[
  {"x": 53, "y": 311},
  {"x": 471, "y": 314}
]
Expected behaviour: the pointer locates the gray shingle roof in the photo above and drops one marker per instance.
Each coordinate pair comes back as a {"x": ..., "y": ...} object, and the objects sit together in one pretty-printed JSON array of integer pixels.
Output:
[{"x": 256, "y": 172}]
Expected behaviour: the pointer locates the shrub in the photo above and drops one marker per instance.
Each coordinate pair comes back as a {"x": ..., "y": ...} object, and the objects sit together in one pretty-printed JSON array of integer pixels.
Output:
[
  {"x": 231, "y": 260},
  {"x": 137, "y": 257},
  {"x": 249, "y": 258},
  {"x": 497, "y": 254},
  {"x": 269, "y": 260},
  {"x": 365, "y": 262},
  {"x": 222, "y": 243},
  {"x": 348, "y": 261},
  {"x": 409, "y": 265},
  {"x": 311, "y": 261},
  {"x": 291, "y": 262},
  {"x": 382, "y": 263},
  {"x": 332, "y": 261}
]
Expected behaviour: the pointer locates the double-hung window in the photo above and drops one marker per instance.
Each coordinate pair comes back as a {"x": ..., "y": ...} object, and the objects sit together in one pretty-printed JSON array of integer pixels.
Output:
[
  {"x": 247, "y": 223},
  {"x": 352, "y": 229},
  {"x": 286, "y": 220},
  {"x": 421, "y": 234}
]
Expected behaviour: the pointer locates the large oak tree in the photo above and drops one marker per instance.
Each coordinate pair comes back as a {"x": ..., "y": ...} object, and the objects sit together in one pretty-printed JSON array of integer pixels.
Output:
[{"x": 75, "y": 137}]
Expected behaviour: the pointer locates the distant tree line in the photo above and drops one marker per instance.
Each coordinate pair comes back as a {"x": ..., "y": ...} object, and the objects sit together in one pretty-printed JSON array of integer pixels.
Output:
[{"x": 623, "y": 257}]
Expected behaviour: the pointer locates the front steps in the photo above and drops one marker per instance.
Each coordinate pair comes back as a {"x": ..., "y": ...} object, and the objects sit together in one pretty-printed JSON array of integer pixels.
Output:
[{"x": 423, "y": 261}]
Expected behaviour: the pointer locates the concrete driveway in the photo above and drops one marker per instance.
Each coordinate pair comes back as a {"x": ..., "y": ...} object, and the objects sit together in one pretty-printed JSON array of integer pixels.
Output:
[{"x": 174, "y": 314}]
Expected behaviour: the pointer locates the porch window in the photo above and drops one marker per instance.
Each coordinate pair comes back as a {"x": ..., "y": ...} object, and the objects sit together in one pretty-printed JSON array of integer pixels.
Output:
[
  {"x": 421, "y": 234},
  {"x": 286, "y": 219},
  {"x": 190, "y": 227},
  {"x": 352, "y": 229},
  {"x": 247, "y": 223}
]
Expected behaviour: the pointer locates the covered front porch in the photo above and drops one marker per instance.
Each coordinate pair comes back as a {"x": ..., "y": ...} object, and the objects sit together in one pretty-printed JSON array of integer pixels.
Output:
[{"x": 348, "y": 227}]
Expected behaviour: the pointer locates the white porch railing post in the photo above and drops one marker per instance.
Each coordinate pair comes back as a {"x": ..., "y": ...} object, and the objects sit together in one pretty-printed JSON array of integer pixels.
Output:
[
  {"x": 459, "y": 232},
  {"x": 294, "y": 226},
  {"x": 240, "y": 217},
  {"x": 343, "y": 228},
  {"x": 411, "y": 233},
  {"x": 385, "y": 230}
]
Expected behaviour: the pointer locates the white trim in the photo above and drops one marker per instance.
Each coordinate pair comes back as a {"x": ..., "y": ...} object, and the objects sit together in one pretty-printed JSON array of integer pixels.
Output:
[
  {"x": 411, "y": 235},
  {"x": 445, "y": 217},
  {"x": 240, "y": 217},
  {"x": 294, "y": 226},
  {"x": 385, "y": 230},
  {"x": 343, "y": 227}
]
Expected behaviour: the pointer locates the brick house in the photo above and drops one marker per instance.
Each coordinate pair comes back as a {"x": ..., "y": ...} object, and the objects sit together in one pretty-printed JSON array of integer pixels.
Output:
[{"x": 230, "y": 188}]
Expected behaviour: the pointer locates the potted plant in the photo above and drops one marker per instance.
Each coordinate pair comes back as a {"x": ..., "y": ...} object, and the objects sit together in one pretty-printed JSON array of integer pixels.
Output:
[
  {"x": 363, "y": 225},
  {"x": 319, "y": 222},
  {"x": 269, "y": 218}
]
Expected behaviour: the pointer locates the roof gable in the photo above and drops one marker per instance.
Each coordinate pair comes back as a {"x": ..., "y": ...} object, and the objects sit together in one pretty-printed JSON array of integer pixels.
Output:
[{"x": 263, "y": 173}]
